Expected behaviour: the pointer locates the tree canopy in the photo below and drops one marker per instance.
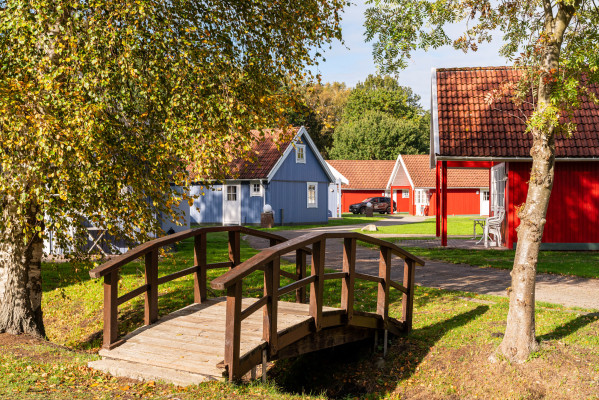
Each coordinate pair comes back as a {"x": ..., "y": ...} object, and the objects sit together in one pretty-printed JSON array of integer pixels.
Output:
[
  {"x": 375, "y": 106},
  {"x": 554, "y": 45},
  {"x": 105, "y": 104}
]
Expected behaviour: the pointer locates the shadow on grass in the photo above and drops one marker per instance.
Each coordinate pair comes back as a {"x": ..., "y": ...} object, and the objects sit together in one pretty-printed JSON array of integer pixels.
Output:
[
  {"x": 570, "y": 327},
  {"x": 353, "y": 370}
]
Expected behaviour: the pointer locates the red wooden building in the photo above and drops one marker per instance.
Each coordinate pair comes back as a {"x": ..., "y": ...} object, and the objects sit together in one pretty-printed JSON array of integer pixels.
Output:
[
  {"x": 367, "y": 178},
  {"x": 469, "y": 133},
  {"x": 412, "y": 184}
]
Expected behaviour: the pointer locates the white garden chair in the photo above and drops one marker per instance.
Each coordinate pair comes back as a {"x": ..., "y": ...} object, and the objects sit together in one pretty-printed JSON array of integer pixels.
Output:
[{"x": 493, "y": 227}]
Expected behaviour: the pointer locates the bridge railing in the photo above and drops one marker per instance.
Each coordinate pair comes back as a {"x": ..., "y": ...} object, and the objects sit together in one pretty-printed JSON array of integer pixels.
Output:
[
  {"x": 269, "y": 261},
  {"x": 150, "y": 252}
]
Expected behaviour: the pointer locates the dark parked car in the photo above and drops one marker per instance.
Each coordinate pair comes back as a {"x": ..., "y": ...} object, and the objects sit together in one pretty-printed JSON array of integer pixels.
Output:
[{"x": 380, "y": 204}]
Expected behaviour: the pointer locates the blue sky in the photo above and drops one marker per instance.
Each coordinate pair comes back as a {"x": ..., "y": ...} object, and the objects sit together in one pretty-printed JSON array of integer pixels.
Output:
[{"x": 353, "y": 62}]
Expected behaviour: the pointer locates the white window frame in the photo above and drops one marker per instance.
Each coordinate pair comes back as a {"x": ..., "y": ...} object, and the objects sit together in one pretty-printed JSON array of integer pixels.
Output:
[
  {"x": 301, "y": 147},
  {"x": 252, "y": 192},
  {"x": 405, "y": 193},
  {"x": 232, "y": 193},
  {"x": 308, "y": 203}
]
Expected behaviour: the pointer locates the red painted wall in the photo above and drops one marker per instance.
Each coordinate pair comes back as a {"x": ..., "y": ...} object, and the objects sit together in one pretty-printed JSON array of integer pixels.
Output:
[
  {"x": 459, "y": 202},
  {"x": 403, "y": 205},
  {"x": 573, "y": 213},
  {"x": 349, "y": 197}
]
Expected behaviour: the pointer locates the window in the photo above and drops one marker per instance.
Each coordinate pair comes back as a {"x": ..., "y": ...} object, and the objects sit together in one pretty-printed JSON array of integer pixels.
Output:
[
  {"x": 256, "y": 189},
  {"x": 231, "y": 193},
  {"x": 421, "y": 197},
  {"x": 312, "y": 198},
  {"x": 300, "y": 153},
  {"x": 405, "y": 194},
  {"x": 485, "y": 195}
]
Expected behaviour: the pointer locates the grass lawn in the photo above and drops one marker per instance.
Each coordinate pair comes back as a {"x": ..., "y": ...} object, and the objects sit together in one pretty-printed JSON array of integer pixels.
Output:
[
  {"x": 346, "y": 219},
  {"x": 584, "y": 264},
  {"x": 455, "y": 226},
  {"x": 444, "y": 357}
]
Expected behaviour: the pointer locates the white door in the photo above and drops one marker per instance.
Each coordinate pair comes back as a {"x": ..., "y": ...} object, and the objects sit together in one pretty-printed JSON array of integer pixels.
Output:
[
  {"x": 421, "y": 201},
  {"x": 498, "y": 181},
  {"x": 484, "y": 202},
  {"x": 232, "y": 205}
]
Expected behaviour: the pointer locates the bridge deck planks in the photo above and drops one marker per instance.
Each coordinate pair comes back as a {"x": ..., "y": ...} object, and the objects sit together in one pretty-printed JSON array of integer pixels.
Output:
[{"x": 192, "y": 339}]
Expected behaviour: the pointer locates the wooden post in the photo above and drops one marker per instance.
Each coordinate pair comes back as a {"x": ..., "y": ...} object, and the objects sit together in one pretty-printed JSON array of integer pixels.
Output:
[
  {"x": 233, "y": 331},
  {"x": 300, "y": 271},
  {"x": 382, "y": 304},
  {"x": 317, "y": 287},
  {"x": 408, "y": 299},
  {"x": 444, "y": 204},
  {"x": 111, "y": 290},
  {"x": 272, "y": 278},
  {"x": 347, "y": 284},
  {"x": 199, "y": 277},
  {"x": 438, "y": 199},
  {"x": 151, "y": 302},
  {"x": 234, "y": 248}
]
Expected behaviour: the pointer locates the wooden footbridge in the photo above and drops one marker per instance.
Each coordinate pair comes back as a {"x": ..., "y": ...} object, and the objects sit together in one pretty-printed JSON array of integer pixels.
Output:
[{"x": 228, "y": 335}]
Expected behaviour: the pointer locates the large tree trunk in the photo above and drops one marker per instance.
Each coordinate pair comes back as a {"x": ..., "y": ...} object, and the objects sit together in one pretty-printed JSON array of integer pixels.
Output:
[{"x": 20, "y": 275}]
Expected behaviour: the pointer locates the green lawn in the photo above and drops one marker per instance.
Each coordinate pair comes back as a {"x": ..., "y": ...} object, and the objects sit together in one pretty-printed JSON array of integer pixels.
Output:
[
  {"x": 578, "y": 263},
  {"x": 455, "y": 226},
  {"x": 444, "y": 357},
  {"x": 346, "y": 219}
]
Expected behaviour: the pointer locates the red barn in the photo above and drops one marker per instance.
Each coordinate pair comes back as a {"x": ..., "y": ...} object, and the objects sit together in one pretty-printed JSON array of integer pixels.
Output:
[
  {"x": 412, "y": 184},
  {"x": 367, "y": 178},
  {"x": 469, "y": 132}
]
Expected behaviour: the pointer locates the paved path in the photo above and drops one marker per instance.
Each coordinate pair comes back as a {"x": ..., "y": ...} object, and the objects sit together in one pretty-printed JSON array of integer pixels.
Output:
[{"x": 568, "y": 291}]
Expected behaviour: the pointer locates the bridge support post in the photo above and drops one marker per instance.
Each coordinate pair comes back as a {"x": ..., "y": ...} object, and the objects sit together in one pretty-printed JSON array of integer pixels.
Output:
[
  {"x": 382, "y": 305},
  {"x": 408, "y": 298},
  {"x": 199, "y": 277},
  {"x": 234, "y": 248},
  {"x": 347, "y": 284},
  {"x": 300, "y": 271},
  {"x": 151, "y": 301},
  {"x": 317, "y": 287},
  {"x": 271, "y": 287},
  {"x": 111, "y": 328},
  {"x": 233, "y": 331},
  {"x": 264, "y": 365}
]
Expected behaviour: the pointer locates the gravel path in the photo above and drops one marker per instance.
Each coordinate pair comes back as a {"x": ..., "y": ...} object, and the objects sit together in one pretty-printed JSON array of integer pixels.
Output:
[{"x": 568, "y": 291}]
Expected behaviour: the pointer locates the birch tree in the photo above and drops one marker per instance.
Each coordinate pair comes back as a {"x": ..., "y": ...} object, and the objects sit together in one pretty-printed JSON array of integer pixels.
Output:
[
  {"x": 554, "y": 45},
  {"x": 105, "y": 104}
]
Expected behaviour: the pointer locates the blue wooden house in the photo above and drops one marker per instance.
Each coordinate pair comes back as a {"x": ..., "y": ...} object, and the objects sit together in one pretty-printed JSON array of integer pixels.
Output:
[{"x": 292, "y": 178}]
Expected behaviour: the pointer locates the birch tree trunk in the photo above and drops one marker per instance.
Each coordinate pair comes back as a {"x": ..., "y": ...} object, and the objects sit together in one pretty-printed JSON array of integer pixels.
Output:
[
  {"x": 520, "y": 340},
  {"x": 20, "y": 275}
]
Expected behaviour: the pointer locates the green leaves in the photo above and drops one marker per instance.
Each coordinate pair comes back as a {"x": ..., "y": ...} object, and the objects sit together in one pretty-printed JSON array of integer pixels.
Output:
[{"x": 104, "y": 95}]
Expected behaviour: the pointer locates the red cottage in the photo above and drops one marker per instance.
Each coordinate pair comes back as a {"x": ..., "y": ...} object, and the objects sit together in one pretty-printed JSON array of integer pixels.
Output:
[
  {"x": 412, "y": 184},
  {"x": 367, "y": 178},
  {"x": 467, "y": 132}
]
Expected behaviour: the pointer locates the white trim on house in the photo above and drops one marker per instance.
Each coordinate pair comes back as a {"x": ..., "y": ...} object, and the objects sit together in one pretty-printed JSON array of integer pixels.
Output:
[
  {"x": 300, "y": 132},
  {"x": 308, "y": 203},
  {"x": 398, "y": 162},
  {"x": 338, "y": 175},
  {"x": 260, "y": 191},
  {"x": 298, "y": 159},
  {"x": 434, "y": 119}
]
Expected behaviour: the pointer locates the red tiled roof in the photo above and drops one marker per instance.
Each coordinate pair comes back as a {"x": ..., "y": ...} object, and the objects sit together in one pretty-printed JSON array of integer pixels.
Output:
[
  {"x": 418, "y": 167},
  {"x": 468, "y": 127},
  {"x": 364, "y": 174},
  {"x": 265, "y": 153}
]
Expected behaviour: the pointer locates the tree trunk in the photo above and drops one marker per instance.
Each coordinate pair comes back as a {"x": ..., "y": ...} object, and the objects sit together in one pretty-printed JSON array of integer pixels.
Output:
[{"x": 20, "y": 275}]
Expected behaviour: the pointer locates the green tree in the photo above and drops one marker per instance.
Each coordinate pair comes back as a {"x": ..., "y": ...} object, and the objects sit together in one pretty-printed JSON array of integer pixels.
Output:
[
  {"x": 382, "y": 93},
  {"x": 104, "y": 104},
  {"x": 377, "y": 136},
  {"x": 554, "y": 45},
  {"x": 320, "y": 111}
]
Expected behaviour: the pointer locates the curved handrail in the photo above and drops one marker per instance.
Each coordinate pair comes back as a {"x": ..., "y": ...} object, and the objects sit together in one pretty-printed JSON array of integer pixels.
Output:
[
  {"x": 254, "y": 263},
  {"x": 154, "y": 244}
]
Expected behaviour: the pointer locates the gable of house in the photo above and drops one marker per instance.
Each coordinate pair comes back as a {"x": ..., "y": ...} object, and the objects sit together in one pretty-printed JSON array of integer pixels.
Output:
[
  {"x": 415, "y": 171},
  {"x": 464, "y": 125}
]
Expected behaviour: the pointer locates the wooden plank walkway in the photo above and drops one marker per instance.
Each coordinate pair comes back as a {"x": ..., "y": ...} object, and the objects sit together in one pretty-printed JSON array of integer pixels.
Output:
[{"x": 190, "y": 342}]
